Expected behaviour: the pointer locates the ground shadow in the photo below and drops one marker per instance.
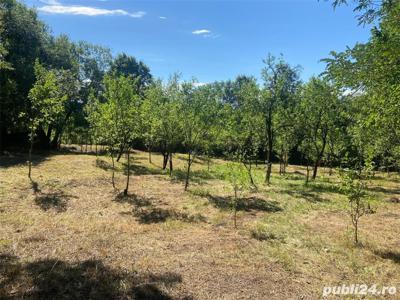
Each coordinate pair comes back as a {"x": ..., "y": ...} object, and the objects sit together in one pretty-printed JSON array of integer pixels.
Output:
[
  {"x": 159, "y": 215},
  {"x": 142, "y": 170},
  {"x": 196, "y": 176},
  {"x": 304, "y": 194},
  {"x": 35, "y": 186},
  {"x": 102, "y": 164},
  {"x": 321, "y": 187},
  {"x": 89, "y": 279},
  {"x": 295, "y": 176},
  {"x": 135, "y": 169},
  {"x": 383, "y": 190},
  {"x": 132, "y": 199},
  {"x": 388, "y": 254},
  {"x": 12, "y": 160},
  {"x": 146, "y": 213},
  {"x": 246, "y": 204},
  {"x": 54, "y": 200},
  {"x": 200, "y": 160}
]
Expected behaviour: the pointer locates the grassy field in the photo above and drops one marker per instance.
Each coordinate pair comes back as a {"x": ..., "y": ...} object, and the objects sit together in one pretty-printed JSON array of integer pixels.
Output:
[{"x": 69, "y": 234}]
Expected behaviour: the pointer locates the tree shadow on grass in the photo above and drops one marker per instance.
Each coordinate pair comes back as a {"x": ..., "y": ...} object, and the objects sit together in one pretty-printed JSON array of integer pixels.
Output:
[
  {"x": 89, "y": 279},
  {"x": 11, "y": 160},
  {"x": 142, "y": 170},
  {"x": 383, "y": 190},
  {"x": 388, "y": 254},
  {"x": 295, "y": 176},
  {"x": 245, "y": 204},
  {"x": 323, "y": 187},
  {"x": 54, "y": 200},
  {"x": 200, "y": 160},
  {"x": 146, "y": 213},
  {"x": 35, "y": 186},
  {"x": 159, "y": 215},
  {"x": 132, "y": 199},
  {"x": 196, "y": 176},
  {"x": 135, "y": 169},
  {"x": 304, "y": 194},
  {"x": 102, "y": 164}
]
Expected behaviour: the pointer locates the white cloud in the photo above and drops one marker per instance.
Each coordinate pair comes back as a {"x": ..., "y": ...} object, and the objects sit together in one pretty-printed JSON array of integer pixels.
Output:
[
  {"x": 50, "y": 2},
  {"x": 201, "y": 31},
  {"x": 163, "y": 18},
  {"x": 55, "y": 7}
]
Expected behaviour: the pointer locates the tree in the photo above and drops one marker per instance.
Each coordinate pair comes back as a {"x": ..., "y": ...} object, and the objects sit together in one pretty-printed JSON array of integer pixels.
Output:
[
  {"x": 150, "y": 111},
  {"x": 119, "y": 116},
  {"x": 238, "y": 178},
  {"x": 281, "y": 82},
  {"x": 169, "y": 115},
  {"x": 47, "y": 103},
  {"x": 319, "y": 110},
  {"x": 199, "y": 108},
  {"x": 23, "y": 39},
  {"x": 369, "y": 75},
  {"x": 242, "y": 130},
  {"x": 354, "y": 186},
  {"x": 126, "y": 65},
  {"x": 286, "y": 130},
  {"x": 370, "y": 9},
  {"x": 94, "y": 61}
]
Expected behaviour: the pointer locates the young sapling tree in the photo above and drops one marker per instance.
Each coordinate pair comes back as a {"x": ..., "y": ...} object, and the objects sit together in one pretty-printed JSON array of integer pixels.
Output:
[{"x": 354, "y": 186}]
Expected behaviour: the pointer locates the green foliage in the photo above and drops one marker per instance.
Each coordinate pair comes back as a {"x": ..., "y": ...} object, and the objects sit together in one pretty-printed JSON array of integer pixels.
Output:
[
  {"x": 277, "y": 102},
  {"x": 369, "y": 76},
  {"x": 117, "y": 120},
  {"x": 353, "y": 185},
  {"x": 125, "y": 65},
  {"x": 349, "y": 117},
  {"x": 318, "y": 120},
  {"x": 47, "y": 99}
]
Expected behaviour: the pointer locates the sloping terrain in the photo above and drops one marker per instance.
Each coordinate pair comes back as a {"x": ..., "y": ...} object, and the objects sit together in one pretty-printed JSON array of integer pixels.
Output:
[{"x": 69, "y": 234}]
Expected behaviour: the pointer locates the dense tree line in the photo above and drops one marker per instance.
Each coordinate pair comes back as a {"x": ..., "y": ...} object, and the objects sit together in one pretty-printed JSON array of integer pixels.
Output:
[
  {"x": 54, "y": 90},
  {"x": 79, "y": 69}
]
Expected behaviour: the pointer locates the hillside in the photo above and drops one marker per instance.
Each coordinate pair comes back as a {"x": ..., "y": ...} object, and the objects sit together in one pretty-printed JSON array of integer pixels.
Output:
[{"x": 68, "y": 234}]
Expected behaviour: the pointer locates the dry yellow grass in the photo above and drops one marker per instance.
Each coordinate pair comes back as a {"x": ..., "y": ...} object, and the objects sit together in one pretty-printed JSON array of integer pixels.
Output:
[{"x": 69, "y": 234}]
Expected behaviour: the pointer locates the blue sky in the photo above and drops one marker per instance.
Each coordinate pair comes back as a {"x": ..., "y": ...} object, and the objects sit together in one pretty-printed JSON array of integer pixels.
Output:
[{"x": 209, "y": 40}]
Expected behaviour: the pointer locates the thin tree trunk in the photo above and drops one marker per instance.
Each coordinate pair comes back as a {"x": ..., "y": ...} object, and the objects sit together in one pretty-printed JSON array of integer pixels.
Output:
[
  {"x": 235, "y": 209},
  {"x": 128, "y": 174},
  {"x": 286, "y": 163},
  {"x": 319, "y": 157},
  {"x": 149, "y": 155},
  {"x": 250, "y": 174},
  {"x": 113, "y": 169},
  {"x": 315, "y": 171},
  {"x": 165, "y": 160},
  {"x": 170, "y": 165},
  {"x": 121, "y": 151},
  {"x": 308, "y": 173},
  {"x": 269, "y": 170},
  {"x": 30, "y": 157},
  {"x": 356, "y": 232},
  {"x": 188, "y": 172}
]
